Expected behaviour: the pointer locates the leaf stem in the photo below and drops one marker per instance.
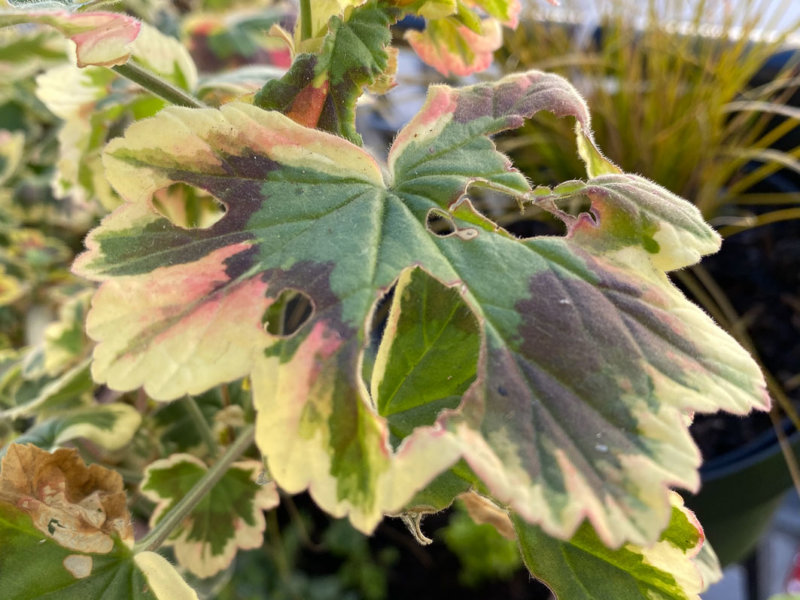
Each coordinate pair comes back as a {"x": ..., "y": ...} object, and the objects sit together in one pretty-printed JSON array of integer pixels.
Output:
[
  {"x": 173, "y": 518},
  {"x": 157, "y": 86},
  {"x": 305, "y": 20},
  {"x": 200, "y": 422}
]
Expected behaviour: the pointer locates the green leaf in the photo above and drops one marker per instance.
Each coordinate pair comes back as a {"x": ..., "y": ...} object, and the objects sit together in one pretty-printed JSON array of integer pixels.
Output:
[
  {"x": 438, "y": 494},
  {"x": 584, "y": 568},
  {"x": 430, "y": 9},
  {"x": 176, "y": 427},
  {"x": 229, "y": 518},
  {"x": 33, "y": 567},
  {"x": 321, "y": 91},
  {"x": 322, "y": 12},
  {"x": 589, "y": 358},
  {"x": 426, "y": 360},
  {"x": 100, "y": 38},
  {"x": 66, "y": 534},
  {"x": 506, "y": 11}
]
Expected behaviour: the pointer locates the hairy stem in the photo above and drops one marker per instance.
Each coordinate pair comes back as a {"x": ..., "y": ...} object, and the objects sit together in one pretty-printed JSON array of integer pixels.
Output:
[
  {"x": 174, "y": 517},
  {"x": 157, "y": 86},
  {"x": 199, "y": 420}
]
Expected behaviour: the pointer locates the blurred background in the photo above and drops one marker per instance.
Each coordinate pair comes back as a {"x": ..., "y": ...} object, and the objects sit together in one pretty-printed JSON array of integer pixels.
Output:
[{"x": 701, "y": 96}]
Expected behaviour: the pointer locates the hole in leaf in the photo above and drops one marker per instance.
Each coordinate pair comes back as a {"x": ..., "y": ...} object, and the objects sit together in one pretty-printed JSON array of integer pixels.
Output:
[
  {"x": 536, "y": 222},
  {"x": 188, "y": 207},
  {"x": 377, "y": 326},
  {"x": 440, "y": 223},
  {"x": 290, "y": 311}
]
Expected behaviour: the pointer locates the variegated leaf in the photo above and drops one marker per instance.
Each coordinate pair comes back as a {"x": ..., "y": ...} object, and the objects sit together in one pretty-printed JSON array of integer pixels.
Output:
[
  {"x": 456, "y": 40},
  {"x": 229, "y": 518},
  {"x": 110, "y": 426},
  {"x": 12, "y": 144},
  {"x": 454, "y": 49},
  {"x": 92, "y": 100},
  {"x": 583, "y": 568},
  {"x": 589, "y": 357},
  {"x": 27, "y": 398},
  {"x": 101, "y": 38},
  {"x": 320, "y": 90}
]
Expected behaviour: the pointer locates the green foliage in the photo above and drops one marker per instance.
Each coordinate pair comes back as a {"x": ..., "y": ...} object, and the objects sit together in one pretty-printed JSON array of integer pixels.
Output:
[
  {"x": 352, "y": 571},
  {"x": 483, "y": 552},
  {"x": 584, "y": 568}
]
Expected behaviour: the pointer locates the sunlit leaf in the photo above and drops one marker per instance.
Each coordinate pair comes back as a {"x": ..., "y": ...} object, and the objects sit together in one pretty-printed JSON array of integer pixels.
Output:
[
  {"x": 229, "y": 518},
  {"x": 92, "y": 100},
  {"x": 589, "y": 358},
  {"x": 100, "y": 38},
  {"x": 165, "y": 56},
  {"x": 321, "y": 90},
  {"x": 454, "y": 49},
  {"x": 324, "y": 10},
  {"x": 456, "y": 39}
]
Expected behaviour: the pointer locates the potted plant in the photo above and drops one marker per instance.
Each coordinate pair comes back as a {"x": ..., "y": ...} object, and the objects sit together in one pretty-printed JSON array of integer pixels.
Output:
[{"x": 247, "y": 248}]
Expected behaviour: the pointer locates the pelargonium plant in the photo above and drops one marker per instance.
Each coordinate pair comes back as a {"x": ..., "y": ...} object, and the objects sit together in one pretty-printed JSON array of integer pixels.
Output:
[{"x": 269, "y": 307}]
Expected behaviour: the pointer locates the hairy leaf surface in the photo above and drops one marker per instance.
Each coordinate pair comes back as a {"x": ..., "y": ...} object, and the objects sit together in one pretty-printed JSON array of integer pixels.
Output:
[
  {"x": 320, "y": 90},
  {"x": 589, "y": 357},
  {"x": 229, "y": 518}
]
